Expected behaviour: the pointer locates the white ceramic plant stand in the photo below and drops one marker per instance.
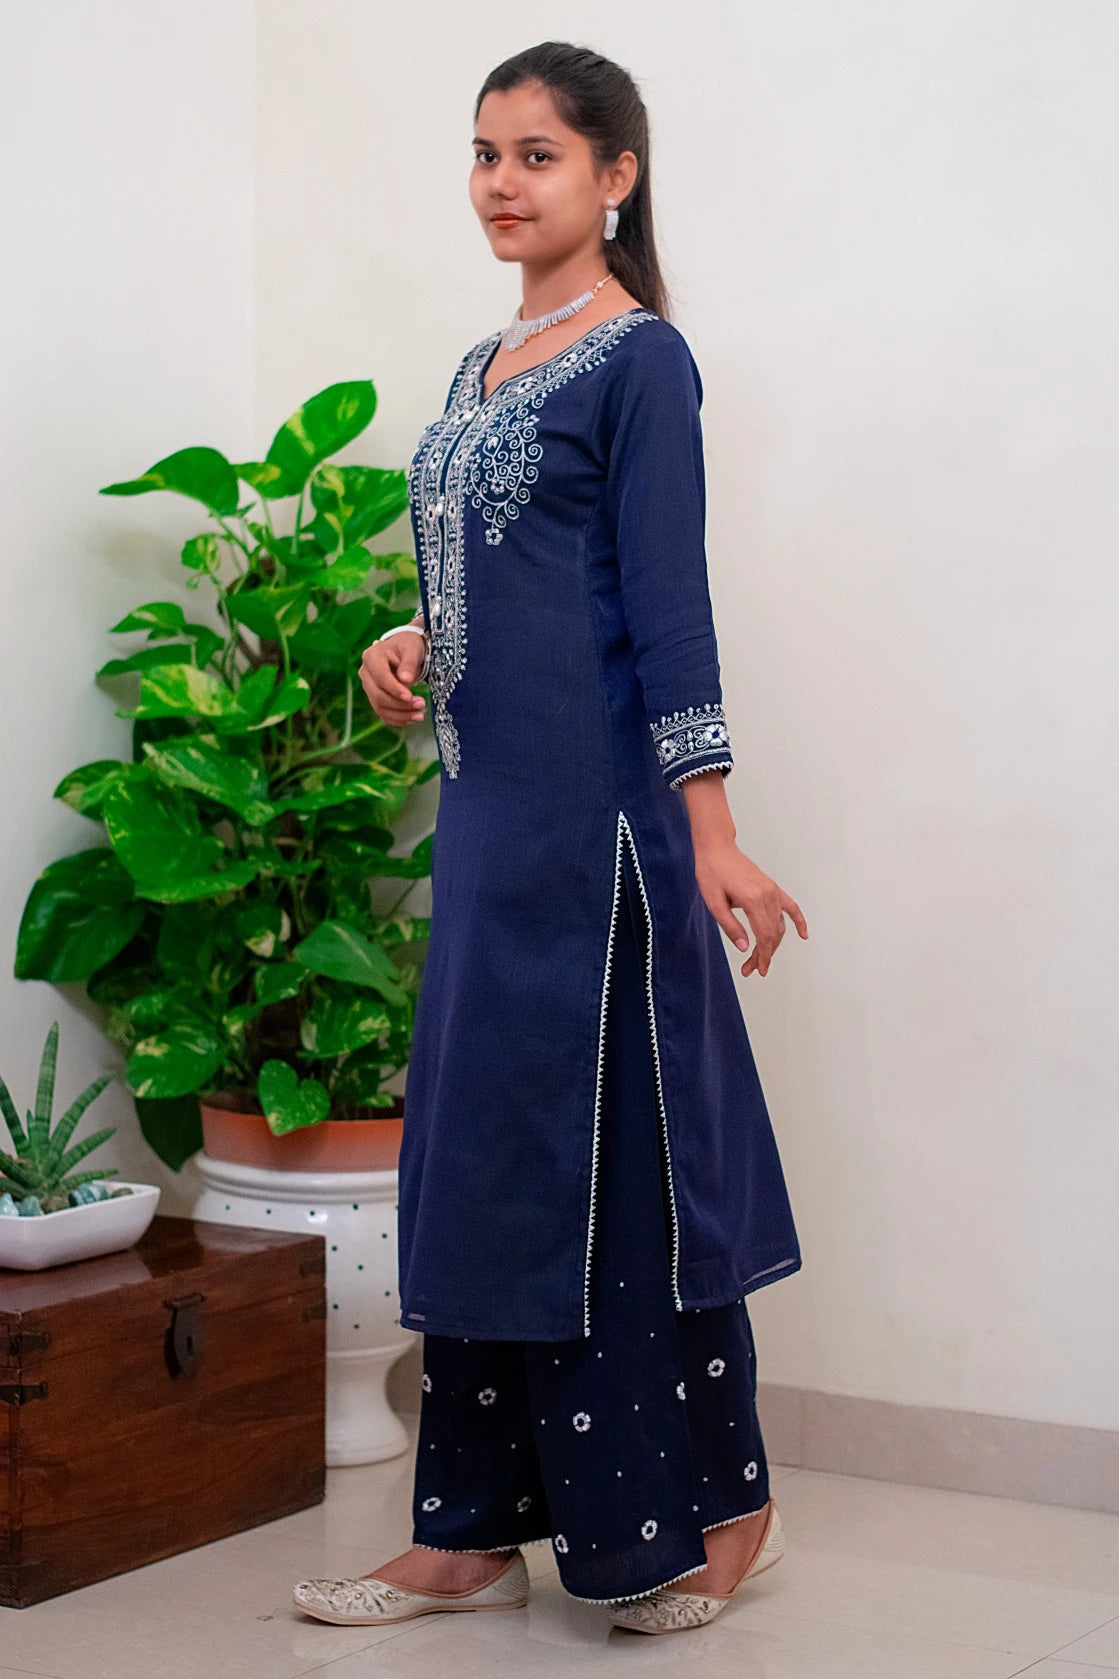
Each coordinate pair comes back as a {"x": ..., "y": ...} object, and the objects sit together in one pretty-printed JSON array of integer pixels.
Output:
[{"x": 356, "y": 1212}]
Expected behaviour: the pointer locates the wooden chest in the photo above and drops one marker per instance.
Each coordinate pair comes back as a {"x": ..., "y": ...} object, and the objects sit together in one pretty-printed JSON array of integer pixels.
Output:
[{"x": 156, "y": 1399}]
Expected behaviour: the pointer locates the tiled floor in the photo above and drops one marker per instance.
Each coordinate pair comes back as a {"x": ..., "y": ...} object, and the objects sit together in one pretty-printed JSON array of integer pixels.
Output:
[{"x": 880, "y": 1581}]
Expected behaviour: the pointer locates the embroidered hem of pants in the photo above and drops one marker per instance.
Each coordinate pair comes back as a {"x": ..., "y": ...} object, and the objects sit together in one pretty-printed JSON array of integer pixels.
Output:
[{"x": 624, "y": 1446}]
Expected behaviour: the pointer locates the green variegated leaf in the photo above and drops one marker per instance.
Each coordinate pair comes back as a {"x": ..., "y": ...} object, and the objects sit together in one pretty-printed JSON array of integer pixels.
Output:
[
  {"x": 80, "y": 912},
  {"x": 271, "y": 612},
  {"x": 146, "y": 658},
  {"x": 262, "y": 925},
  {"x": 325, "y": 424},
  {"x": 356, "y": 502},
  {"x": 349, "y": 571},
  {"x": 199, "y": 764},
  {"x": 155, "y": 830},
  {"x": 333, "y": 784},
  {"x": 267, "y": 480},
  {"x": 84, "y": 789},
  {"x": 291, "y": 695},
  {"x": 202, "y": 474},
  {"x": 156, "y": 833},
  {"x": 341, "y": 1020},
  {"x": 184, "y": 889},
  {"x": 358, "y": 1081},
  {"x": 180, "y": 1059},
  {"x": 236, "y": 1021},
  {"x": 279, "y": 981},
  {"x": 154, "y": 1008},
  {"x": 340, "y": 951},
  {"x": 288, "y": 1104},
  {"x": 182, "y": 691},
  {"x": 163, "y": 619},
  {"x": 202, "y": 553}
]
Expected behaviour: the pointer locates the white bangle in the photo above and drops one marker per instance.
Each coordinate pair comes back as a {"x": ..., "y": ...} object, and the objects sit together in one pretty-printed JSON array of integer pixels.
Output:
[{"x": 419, "y": 630}]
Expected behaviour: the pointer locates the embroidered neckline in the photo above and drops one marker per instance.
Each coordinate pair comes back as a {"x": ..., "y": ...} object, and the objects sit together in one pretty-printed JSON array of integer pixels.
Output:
[{"x": 493, "y": 341}]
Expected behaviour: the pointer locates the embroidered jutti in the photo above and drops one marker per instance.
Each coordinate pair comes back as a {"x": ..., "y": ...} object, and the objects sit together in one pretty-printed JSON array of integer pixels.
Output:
[{"x": 575, "y": 684}]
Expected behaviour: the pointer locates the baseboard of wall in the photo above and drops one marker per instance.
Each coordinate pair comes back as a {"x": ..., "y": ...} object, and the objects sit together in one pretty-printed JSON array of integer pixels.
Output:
[
  {"x": 964, "y": 1451},
  {"x": 927, "y": 1446}
]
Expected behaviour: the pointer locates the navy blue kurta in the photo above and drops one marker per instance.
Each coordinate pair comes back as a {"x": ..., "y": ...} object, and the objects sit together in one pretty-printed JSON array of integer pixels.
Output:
[{"x": 575, "y": 683}]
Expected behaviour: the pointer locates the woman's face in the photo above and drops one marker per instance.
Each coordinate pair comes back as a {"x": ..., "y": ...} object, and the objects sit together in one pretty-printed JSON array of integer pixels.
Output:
[{"x": 530, "y": 165}]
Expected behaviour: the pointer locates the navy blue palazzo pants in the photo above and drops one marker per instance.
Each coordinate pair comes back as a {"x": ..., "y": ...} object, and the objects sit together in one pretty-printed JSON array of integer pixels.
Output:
[{"x": 623, "y": 1446}]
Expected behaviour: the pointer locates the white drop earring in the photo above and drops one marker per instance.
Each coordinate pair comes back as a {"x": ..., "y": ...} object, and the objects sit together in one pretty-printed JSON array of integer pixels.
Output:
[{"x": 611, "y": 227}]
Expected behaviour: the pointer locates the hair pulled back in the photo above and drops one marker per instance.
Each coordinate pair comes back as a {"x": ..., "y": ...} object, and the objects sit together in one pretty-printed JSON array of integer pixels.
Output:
[{"x": 600, "y": 100}]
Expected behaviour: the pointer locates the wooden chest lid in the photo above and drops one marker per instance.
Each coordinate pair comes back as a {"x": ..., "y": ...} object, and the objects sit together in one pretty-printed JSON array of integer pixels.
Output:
[{"x": 230, "y": 1265}]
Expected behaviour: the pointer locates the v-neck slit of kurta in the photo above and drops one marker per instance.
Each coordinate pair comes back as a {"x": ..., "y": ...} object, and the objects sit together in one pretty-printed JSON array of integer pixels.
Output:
[
  {"x": 625, "y": 839},
  {"x": 533, "y": 366}
]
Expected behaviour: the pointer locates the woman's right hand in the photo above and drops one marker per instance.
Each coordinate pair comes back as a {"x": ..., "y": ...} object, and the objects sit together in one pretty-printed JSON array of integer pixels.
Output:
[{"x": 388, "y": 670}]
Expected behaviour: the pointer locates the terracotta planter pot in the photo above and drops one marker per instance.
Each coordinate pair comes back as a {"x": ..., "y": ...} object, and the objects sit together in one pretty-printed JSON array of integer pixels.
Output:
[{"x": 334, "y": 1145}]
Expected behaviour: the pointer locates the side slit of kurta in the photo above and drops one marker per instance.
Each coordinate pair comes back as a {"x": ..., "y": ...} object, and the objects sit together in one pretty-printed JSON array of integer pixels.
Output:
[{"x": 625, "y": 837}]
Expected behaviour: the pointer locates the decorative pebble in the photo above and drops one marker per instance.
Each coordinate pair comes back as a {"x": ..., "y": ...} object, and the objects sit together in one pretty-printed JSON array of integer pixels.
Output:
[
  {"x": 8, "y": 1208},
  {"x": 87, "y": 1193},
  {"x": 30, "y": 1207}
]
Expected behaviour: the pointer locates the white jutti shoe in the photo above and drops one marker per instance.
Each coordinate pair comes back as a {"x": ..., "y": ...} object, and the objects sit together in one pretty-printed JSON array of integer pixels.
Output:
[
  {"x": 670, "y": 1610},
  {"x": 372, "y": 1602}
]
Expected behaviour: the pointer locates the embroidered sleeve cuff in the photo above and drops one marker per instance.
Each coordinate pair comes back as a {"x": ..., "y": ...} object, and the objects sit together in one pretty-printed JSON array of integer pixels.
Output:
[{"x": 691, "y": 741}]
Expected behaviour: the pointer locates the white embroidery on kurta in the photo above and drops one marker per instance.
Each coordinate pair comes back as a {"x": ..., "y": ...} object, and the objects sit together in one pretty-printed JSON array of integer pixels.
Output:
[
  {"x": 560, "y": 1542},
  {"x": 648, "y": 1528},
  {"x": 681, "y": 736},
  {"x": 751, "y": 1471},
  {"x": 523, "y": 1503},
  {"x": 716, "y": 1367},
  {"x": 487, "y": 1396},
  {"x": 702, "y": 769},
  {"x": 482, "y": 452},
  {"x": 582, "y": 1421},
  {"x": 680, "y": 1390},
  {"x": 431, "y": 1504},
  {"x": 426, "y": 1382}
]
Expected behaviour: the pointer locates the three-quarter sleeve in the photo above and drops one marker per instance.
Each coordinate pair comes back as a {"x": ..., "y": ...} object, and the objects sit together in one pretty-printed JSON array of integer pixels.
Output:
[{"x": 656, "y": 503}]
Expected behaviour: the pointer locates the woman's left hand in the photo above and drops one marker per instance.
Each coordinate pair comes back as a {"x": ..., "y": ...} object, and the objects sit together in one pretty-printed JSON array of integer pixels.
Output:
[{"x": 729, "y": 880}]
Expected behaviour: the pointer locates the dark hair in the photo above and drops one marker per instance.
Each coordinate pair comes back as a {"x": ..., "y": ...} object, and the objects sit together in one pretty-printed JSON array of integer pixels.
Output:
[{"x": 599, "y": 100}]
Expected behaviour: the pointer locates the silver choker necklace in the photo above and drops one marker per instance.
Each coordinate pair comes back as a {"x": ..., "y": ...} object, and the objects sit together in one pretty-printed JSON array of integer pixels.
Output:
[{"x": 518, "y": 332}]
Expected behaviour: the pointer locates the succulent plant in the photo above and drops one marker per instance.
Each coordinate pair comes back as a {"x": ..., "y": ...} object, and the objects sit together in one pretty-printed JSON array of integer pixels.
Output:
[{"x": 39, "y": 1175}]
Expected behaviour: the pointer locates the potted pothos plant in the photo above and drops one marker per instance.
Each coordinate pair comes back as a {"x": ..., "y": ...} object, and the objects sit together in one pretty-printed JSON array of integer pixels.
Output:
[{"x": 225, "y": 917}]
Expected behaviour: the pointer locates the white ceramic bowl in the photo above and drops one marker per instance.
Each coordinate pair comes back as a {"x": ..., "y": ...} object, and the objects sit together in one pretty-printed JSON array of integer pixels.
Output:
[{"x": 31, "y": 1244}]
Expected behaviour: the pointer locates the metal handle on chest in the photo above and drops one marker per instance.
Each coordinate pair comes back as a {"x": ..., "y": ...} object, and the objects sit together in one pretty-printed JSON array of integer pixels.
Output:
[{"x": 185, "y": 1334}]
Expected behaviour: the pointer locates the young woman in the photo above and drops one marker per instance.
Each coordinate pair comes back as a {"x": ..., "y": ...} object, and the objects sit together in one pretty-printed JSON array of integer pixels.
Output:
[{"x": 589, "y": 1181}]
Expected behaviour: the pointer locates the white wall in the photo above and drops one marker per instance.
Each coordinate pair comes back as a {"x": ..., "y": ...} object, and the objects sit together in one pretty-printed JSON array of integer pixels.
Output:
[
  {"x": 891, "y": 235},
  {"x": 125, "y": 333}
]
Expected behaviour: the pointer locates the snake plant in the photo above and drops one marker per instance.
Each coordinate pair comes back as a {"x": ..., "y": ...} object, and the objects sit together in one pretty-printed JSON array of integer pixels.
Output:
[{"x": 39, "y": 1175}]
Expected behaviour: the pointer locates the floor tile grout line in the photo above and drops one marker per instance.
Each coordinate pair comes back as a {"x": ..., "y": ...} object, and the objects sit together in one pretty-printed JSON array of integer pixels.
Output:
[
  {"x": 389, "y": 1638},
  {"x": 1089, "y": 1667},
  {"x": 1113, "y": 1668}
]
